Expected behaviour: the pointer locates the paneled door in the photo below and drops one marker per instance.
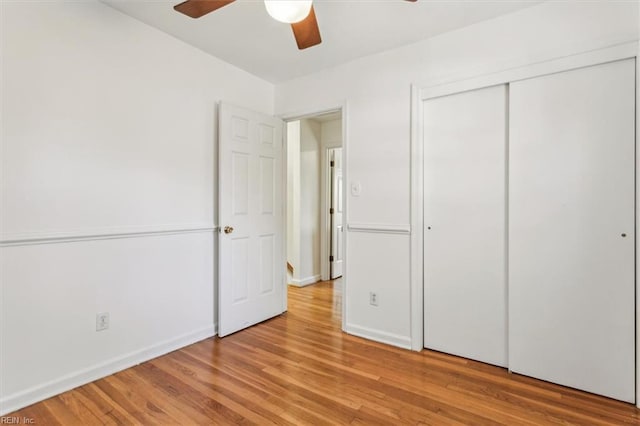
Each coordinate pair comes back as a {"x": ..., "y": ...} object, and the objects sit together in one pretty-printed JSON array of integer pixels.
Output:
[
  {"x": 572, "y": 228},
  {"x": 337, "y": 227},
  {"x": 465, "y": 229},
  {"x": 250, "y": 205}
]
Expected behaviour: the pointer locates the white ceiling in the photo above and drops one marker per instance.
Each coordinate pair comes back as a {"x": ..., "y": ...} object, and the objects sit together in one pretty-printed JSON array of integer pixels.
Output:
[{"x": 244, "y": 35}]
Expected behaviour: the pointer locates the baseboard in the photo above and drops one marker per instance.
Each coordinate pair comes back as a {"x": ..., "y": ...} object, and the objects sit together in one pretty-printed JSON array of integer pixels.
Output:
[
  {"x": 46, "y": 390},
  {"x": 379, "y": 336},
  {"x": 305, "y": 281}
]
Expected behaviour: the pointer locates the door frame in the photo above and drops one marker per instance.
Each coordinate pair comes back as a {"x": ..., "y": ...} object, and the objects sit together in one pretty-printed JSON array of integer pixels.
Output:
[
  {"x": 420, "y": 93},
  {"x": 325, "y": 216},
  {"x": 324, "y": 241}
]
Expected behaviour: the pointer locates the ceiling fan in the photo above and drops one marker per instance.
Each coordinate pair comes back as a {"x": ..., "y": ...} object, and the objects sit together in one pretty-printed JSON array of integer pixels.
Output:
[{"x": 298, "y": 13}]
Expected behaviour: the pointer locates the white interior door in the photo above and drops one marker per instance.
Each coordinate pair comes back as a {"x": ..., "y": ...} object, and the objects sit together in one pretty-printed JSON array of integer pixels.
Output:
[
  {"x": 251, "y": 258},
  {"x": 336, "y": 256},
  {"x": 571, "y": 229},
  {"x": 464, "y": 216}
]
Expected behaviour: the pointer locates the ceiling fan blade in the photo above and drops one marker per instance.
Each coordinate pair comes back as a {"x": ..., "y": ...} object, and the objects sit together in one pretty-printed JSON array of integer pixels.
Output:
[
  {"x": 198, "y": 8},
  {"x": 307, "y": 32}
]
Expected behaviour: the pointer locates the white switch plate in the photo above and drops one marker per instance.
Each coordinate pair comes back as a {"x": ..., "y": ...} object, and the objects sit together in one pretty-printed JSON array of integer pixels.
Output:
[
  {"x": 356, "y": 189},
  {"x": 373, "y": 298},
  {"x": 102, "y": 321}
]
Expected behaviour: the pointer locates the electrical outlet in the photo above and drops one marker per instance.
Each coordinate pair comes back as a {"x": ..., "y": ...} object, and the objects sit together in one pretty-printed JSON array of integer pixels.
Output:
[
  {"x": 102, "y": 321},
  {"x": 373, "y": 298}
]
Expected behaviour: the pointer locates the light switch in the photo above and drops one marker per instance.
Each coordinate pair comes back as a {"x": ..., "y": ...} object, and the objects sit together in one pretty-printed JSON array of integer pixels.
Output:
[{"x": 356, "y": 189}]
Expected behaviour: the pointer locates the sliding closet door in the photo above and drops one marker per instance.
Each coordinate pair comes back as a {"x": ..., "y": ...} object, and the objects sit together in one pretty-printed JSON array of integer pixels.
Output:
[
  {"x": 464, "y": 218},
  {"x": 571, "y": 228}
]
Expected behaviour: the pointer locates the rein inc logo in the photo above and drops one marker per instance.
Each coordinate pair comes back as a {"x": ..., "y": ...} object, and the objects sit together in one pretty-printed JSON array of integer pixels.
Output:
[{"x": 16, "y": 420}]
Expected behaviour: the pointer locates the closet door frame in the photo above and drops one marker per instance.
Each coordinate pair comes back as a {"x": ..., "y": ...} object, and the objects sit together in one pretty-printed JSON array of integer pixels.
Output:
[{"x": 420, "y": 93}]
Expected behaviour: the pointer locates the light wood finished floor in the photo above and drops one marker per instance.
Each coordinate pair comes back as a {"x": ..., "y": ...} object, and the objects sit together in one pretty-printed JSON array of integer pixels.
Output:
[{"x": 300, "y": 368}]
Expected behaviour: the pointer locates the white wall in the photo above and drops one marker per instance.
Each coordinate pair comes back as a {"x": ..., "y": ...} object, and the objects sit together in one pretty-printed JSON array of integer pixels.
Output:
[
  {"x": 309, "y": 266},
  {"x": 376, "y": 90},
  {"x": 293, "y": 196},
  {"x": 108, "y": 128},
  {"x": 331, "y": 133}
]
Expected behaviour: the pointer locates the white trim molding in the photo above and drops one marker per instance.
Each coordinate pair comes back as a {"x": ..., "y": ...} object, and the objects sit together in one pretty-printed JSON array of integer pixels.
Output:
[
  {"x": 379, "y": 336},
  {"x": 325, "y": 221},
  {"x": 312, "y": 112},
  {"x": 103, "y": 234},
  {"x": 580, "y": 60},
  {"x": 416, "y": 272},
  {"x": 345, "y": 211},
  {"x": 379, "y": 228},
  {"x": 637, "y": 222},
  {"x": 43, "y": 391},
  {"x": 305, "y": 281}
]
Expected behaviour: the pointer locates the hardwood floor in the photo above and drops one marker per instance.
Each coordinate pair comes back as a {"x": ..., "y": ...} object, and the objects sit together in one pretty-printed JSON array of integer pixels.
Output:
[{"x": 299, "y": 368}]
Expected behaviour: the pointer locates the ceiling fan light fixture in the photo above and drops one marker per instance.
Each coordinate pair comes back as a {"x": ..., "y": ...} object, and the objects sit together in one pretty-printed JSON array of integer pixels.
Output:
[{"x": 288, "y": 11}]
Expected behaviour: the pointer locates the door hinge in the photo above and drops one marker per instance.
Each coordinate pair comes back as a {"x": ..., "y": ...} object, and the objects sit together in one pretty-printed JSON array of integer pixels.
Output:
[
  {"x": 331, "y": 258},
  {"x": 331, "y": 211},
  {"x": 333, "y": 163}
]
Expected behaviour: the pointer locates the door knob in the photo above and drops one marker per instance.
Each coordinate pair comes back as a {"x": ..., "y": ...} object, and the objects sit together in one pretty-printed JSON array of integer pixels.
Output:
[{"x": 228, "y": 229}]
